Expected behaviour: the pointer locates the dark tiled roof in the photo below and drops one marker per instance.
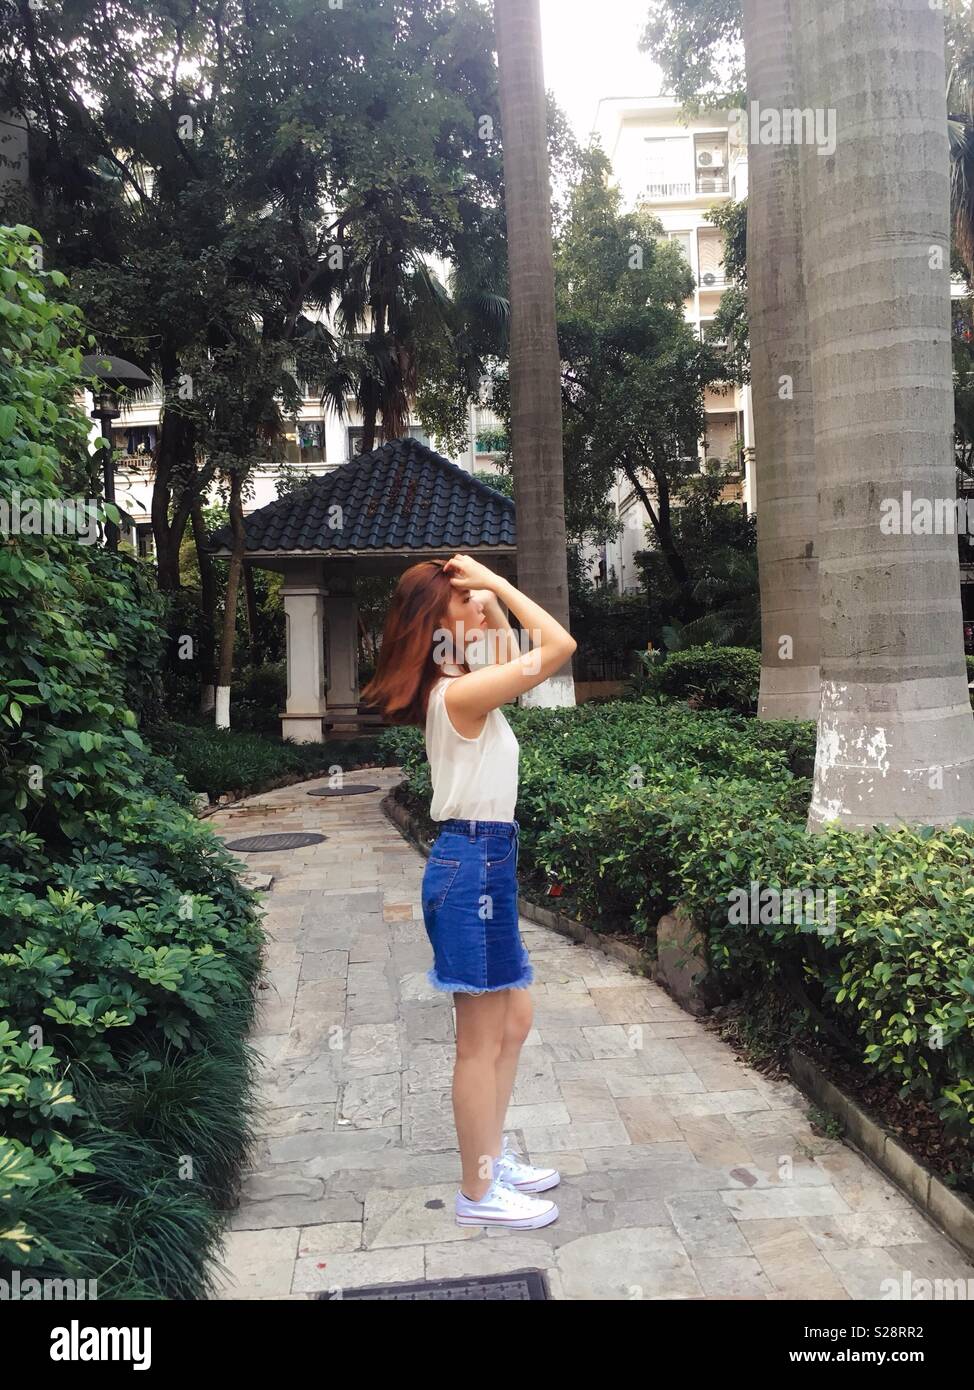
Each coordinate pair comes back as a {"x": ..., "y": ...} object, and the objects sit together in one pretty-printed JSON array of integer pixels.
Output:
[{"x": 402, "y": 496}]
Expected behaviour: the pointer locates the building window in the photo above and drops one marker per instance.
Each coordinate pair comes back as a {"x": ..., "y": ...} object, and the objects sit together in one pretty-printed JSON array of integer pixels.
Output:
[
  {"x": 666, "y": 167},
  {"x": 311, "y": 441},
  {"x": 682, "y": 240},
  {"x": 135, "y": 441},
  {"x": 355, "y": 438}
]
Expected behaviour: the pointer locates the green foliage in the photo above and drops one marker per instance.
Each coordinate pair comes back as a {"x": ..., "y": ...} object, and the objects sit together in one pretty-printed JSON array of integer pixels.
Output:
[
  {"x": 711, "y": 677},
  {"x": 635, "y": 373},
  {"x": 127, "y": 944},
  {"x": 730, "y": 321},
  {"x": 636, "y": 806},
  {"x": 609, "y": 629},
  {"x": 218, "y": 761},
  {"x": 258, "y": 696},
  {"x": 698, "y": 45},
  {"x": 718, "y": 601},
  {"x": 897, "y": 973}
]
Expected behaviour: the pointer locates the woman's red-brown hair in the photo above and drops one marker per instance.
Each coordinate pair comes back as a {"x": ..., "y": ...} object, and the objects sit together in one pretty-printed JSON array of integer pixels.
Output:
[{"x": 406, "y": 669}]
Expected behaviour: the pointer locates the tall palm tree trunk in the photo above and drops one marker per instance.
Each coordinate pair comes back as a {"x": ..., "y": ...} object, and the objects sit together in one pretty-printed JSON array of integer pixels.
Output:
[
  {"x": 896, "y": 737},
  {"x": 781, "y": 386},
  {"x": 539, "y": 482}
]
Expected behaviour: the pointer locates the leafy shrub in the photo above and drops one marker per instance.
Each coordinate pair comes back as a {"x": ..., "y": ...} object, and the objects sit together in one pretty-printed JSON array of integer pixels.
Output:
[
  {"x": 217, "y": 761},
  {"x": 712, "y": 677},
  {"x": 897, "y": 971},
  {"x": 258, "y": 697},
  {"x": 129, "y": 950}
]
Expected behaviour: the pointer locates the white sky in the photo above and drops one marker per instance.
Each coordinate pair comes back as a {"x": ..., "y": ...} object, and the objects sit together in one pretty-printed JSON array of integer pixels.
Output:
[{"x": 590, "y": 52}]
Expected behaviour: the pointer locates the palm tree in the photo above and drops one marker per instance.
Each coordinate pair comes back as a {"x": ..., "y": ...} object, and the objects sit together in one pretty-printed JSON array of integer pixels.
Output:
[
  {"x": 895, "y": 738},
  {"x": 535, "y": 364},
  {"x": 781, "y": 385},
  {"x": 456, "y": 327}
]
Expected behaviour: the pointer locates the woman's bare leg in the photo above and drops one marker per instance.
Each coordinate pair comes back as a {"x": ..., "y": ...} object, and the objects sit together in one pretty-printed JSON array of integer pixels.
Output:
[
  {"x": 480, "y": 1038},
  {"x": 517, "y": 1025}
]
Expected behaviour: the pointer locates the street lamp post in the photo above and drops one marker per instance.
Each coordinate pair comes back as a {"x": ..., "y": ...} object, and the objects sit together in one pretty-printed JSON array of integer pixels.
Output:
[{"x": 111, "y": 375}]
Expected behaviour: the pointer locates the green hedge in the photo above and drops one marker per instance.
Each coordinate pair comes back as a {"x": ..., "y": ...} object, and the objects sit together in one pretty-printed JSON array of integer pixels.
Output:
[
  {"x": 217, "y": 761},
  {"x": 635, "y": 806},
  {"x": 129, "y": 951},
  {"x": 711, "y": 677}
]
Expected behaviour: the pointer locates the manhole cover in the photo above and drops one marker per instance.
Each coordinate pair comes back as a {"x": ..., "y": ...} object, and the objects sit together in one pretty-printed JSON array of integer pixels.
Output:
[
  {"x": 356, "y": 790},
  {"x": 258, "y": 844},
  {"x": 528, "y": 1285}
]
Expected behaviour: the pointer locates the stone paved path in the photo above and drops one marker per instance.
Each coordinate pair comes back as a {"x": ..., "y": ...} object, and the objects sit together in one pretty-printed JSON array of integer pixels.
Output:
[{"x": 685, "y": 1174}]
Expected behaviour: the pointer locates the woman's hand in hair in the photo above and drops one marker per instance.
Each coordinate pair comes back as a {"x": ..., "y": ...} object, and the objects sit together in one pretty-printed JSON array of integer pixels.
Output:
[{"x": 466, "y": 573}]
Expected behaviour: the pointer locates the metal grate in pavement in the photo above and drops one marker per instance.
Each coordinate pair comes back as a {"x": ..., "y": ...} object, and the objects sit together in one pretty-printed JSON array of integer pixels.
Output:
[
  {"x": 522, "y": 1286},
  {"x": 260, "y": 844},
  {"x": 355, "y": 790}
]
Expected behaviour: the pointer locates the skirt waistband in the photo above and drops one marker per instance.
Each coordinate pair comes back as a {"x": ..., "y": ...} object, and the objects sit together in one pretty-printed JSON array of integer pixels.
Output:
[{"x": 475, "y": 828}]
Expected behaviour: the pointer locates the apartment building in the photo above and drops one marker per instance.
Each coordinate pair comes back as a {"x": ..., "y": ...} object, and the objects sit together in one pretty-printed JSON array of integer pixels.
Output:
[{"x": 678, "y": 170}]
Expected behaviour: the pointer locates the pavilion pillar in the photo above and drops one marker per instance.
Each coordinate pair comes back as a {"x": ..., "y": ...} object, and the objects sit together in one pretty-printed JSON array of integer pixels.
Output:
[
  {"x": 341, "y": 653},
  {"x": 304, "y": 599}
]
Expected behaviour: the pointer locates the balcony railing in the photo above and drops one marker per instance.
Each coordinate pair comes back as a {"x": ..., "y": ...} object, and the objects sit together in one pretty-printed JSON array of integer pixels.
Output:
[
  {"x": 712, "y": 183},
  {"x": 654, "y": 192}
]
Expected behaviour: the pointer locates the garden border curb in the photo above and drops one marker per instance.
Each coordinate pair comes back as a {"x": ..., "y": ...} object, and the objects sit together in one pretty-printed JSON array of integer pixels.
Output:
[{"x": 951, "y": 1212}]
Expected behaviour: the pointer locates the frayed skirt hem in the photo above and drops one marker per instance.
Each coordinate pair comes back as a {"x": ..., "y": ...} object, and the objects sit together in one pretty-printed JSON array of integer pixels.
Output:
[{"x": 525, "y": 979}]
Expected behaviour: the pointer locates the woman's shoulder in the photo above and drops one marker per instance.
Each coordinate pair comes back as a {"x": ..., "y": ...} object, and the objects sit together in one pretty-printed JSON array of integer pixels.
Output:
[{"x": 436, "y": 693}]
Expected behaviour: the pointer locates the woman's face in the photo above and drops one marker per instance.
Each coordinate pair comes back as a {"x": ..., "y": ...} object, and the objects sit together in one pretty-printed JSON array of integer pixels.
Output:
[{"x": 465, "y": 617}]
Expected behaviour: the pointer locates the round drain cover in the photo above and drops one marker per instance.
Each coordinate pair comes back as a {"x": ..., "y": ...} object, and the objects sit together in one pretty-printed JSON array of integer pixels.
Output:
[
  {"x": 355, "y": 790},
  {"x": 259, "y": 844}
]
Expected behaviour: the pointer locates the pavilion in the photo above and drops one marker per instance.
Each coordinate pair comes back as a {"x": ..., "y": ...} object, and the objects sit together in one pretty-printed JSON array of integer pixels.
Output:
[{"x": 375, "y": 515}]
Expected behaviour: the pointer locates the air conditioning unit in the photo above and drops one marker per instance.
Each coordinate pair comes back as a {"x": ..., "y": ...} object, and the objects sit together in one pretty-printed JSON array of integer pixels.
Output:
[
  {"x": 709, "y": 279},
  {"x": 715, "y": 185},
  {"x": 710, "y": 159}
]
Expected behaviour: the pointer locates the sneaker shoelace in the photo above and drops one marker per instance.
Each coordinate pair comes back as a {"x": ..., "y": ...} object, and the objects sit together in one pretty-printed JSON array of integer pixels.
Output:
[{"x": 522, "y": 1200}]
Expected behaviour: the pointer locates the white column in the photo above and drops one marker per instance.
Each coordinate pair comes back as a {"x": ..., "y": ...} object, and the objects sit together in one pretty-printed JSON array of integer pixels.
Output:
[
  {"x": 341, "y": 638},
  {"x": 304, "y": 598}
]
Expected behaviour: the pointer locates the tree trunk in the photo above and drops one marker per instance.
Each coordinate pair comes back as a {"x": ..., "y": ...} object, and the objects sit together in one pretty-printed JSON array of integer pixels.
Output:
[
  {"x": 896, "y": 737},
  {"x": 367, "y": 442},
  {"x": 535, "y": 363},
  {"x": 225, "y": 672},
  {"x": 176, "y": 456},
  {"x": 208, "y": 603},
  {"x": 781, "y": 387}
]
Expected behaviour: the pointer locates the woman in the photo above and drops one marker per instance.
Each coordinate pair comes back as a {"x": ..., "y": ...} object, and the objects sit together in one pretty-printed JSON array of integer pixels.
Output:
[{"x": 449, "y": 661}]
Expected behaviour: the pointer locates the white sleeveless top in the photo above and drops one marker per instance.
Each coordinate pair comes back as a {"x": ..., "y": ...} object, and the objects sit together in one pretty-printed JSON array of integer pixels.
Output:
[{"x": 473, "y": 778}]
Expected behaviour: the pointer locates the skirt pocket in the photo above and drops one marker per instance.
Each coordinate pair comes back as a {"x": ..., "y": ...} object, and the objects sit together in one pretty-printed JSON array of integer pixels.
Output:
[{"x": 438, "y": 878}]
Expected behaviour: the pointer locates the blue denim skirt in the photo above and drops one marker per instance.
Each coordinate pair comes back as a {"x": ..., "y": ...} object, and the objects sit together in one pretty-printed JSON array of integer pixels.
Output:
[{"x": 469, "y": 900}]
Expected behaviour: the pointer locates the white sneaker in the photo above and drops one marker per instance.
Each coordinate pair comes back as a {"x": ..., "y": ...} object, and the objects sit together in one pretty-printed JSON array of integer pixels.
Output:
[
  {"x": 524, "y": 1176},
  {"x": 505, "y": 1206}
]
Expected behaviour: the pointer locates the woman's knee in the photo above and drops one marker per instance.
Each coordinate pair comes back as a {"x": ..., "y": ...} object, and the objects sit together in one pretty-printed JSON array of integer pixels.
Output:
[{"x": 518, "y": 1019}]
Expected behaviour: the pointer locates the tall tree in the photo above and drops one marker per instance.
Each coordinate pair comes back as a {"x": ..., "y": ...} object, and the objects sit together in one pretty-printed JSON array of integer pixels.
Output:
[
  {"x": 536, "y": 430},
  {"x": 633, "y": 370},
  {"x": 781, "y": 387},
  {"x": 896, "y": 738}
]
